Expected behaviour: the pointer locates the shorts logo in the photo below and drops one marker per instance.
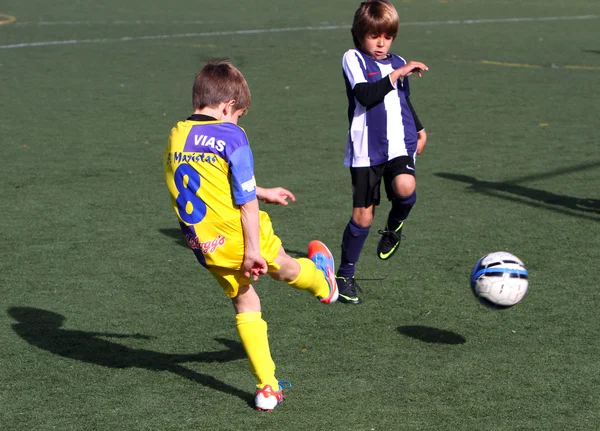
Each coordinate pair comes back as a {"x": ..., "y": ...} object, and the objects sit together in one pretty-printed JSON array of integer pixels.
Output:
[{"x": 206, "y": 247}]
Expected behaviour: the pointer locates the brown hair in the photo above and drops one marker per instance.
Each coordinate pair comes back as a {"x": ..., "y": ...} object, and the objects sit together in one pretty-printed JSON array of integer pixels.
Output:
[
  {"x": 374, "y": 17},
  {"x": 220, "y": 81}
]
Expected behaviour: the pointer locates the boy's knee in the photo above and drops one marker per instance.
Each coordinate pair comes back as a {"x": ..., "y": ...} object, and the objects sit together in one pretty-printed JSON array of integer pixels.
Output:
[
  {"x": 288, "y": 270},
  {"x": 246, "y": 300},
  {"x": 404, "y": 185},
  {"x": 363, "y": 216}
]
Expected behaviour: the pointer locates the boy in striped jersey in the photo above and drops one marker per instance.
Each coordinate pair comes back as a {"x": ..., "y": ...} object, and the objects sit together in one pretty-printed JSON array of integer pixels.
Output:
[{"x": 384, "y": 137}]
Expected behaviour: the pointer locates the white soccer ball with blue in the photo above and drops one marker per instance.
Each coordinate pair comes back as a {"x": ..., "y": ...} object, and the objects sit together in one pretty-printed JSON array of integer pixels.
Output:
[{"x": 499, "y": 280}]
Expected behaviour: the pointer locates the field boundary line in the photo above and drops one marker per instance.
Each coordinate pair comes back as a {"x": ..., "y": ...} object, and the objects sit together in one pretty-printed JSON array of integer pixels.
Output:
[{"x": 286, "y": 29}]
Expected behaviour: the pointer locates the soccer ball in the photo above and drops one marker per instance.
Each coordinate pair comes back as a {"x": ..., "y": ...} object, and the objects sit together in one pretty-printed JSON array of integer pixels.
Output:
[{"x": 499, "y": 280}]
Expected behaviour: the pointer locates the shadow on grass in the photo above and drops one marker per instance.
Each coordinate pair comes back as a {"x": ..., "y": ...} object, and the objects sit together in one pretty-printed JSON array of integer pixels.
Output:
[
  {"x": 176, "y": 234},
  {"x": 43, "y": 329},
  {"x": 584, "y": 207},
  {"x": 431, "y": 335}
]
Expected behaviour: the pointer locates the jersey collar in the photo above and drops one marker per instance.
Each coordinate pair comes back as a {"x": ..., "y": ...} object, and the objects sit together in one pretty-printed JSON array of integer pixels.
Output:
[{"x": 201, "y": 117}]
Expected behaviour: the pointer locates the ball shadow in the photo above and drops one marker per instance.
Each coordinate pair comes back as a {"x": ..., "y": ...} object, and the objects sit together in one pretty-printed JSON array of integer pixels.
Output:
[{"x": 431, "y": 335}]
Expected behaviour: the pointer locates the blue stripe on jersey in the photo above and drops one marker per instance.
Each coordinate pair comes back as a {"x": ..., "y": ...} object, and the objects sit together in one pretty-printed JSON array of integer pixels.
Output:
[
  {"x": 221, "y": 139},
  {"x": 241, "y": 167},
  {"x": 229, "y": 142}
]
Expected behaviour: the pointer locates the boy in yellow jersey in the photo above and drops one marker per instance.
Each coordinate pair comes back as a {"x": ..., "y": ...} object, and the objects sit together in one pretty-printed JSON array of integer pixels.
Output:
[{"x": 209, "y": 170}]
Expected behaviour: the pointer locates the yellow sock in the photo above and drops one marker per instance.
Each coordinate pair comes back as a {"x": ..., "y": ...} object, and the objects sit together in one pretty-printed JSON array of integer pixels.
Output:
[
  {"x": 253, "y": 334},
  {"x": 311, "y": 279}
]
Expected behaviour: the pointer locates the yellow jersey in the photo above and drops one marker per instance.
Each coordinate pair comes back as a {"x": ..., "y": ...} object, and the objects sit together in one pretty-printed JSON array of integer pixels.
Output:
[{"x": 209, "y": 171}]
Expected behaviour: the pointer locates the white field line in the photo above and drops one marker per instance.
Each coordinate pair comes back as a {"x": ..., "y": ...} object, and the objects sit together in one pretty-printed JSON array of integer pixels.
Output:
[{"x": 268, "y": 30}]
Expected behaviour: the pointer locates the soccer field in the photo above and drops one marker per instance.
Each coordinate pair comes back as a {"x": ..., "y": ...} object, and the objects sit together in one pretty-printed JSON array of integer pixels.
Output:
[{"x": 108, "y": 321}]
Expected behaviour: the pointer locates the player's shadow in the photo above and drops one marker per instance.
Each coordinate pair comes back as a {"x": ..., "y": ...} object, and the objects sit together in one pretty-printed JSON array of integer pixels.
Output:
[
  {"x": 43, "y": 329},
  {"x": 176, "y": 234},
  {"x": 431, "y": 335},
  {"x": 584, "y": 206}
]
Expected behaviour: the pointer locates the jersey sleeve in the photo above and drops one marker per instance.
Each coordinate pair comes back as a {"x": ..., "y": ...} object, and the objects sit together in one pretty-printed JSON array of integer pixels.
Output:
[
  {"x": 371, "y": 93},
  {"x": 241, "y": 168},
  {"x": 354, "y": 69}
]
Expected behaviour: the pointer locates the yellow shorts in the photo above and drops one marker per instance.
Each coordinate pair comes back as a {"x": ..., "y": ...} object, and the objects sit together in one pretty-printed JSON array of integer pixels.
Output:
[{"x": 226, "y": 259}]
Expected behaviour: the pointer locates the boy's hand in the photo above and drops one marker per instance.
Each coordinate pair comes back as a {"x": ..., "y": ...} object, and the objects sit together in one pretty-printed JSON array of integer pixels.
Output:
[
  {"x": 412, "y": 67},
  {"x": 276, "y": 195},
  {"x": 254, "y": 266}
]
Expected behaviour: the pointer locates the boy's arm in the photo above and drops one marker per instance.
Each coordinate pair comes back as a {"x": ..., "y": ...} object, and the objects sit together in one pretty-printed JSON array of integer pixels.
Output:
[
  {"x": 421, "y": 134},
  {"x": 276, "y": 195},
  {"x": 254, "y": 264},
  {"x": 418, "y": 124},
  {"x": 421, "y": 141},
  {"x": 371, "y": 93},
  {"x": 243, "y": 188}
]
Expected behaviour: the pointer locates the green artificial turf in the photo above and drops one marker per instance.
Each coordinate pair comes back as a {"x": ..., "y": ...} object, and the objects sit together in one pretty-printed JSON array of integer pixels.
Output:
[{"x": 108, "y": 321}]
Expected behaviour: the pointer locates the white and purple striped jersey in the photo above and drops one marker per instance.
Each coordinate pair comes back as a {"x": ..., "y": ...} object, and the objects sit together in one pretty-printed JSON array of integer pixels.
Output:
[{"x": 386, "y": 129}]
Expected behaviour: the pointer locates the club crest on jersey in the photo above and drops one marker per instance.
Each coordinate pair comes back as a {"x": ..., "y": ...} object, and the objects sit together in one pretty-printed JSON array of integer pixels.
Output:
[{"x": 205, "y": 247}]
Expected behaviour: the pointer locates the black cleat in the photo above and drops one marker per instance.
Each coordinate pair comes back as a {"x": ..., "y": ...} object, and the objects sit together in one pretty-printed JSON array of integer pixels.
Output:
[
  {"x": 348, "y": 290},
  {"x": 389, "y": 242}
]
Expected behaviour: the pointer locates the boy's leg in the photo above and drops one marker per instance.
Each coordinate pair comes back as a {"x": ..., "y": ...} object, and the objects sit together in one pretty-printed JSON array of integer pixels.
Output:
[
  {"x": 401, "y": 207},
  {"x": 400, "y": 184},
  {"x": 391, "y": 236},
  {"x": 299, "y": 273},
  {"x": 302, "y": 274},
  {"x": 353, "y": 241},
  {"x": 252, "y": 330},
  {"x": 365, "y": 197},
  {"x": 323, "y": 260}
]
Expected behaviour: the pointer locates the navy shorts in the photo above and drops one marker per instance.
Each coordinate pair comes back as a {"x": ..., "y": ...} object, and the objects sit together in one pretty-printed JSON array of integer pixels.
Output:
[{"x": 367, "y": 181}]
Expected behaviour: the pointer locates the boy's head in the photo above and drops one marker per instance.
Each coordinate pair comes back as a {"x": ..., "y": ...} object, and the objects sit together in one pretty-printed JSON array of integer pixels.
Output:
[
  {"x": 374, "y": 18},
  {"x": 218, "y": 82}
]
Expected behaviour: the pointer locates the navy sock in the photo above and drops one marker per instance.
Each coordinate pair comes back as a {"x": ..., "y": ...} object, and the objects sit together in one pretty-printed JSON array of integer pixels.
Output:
[
  {"x": 401, "y": 207},
  {"x": 352, "y": 244}
]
